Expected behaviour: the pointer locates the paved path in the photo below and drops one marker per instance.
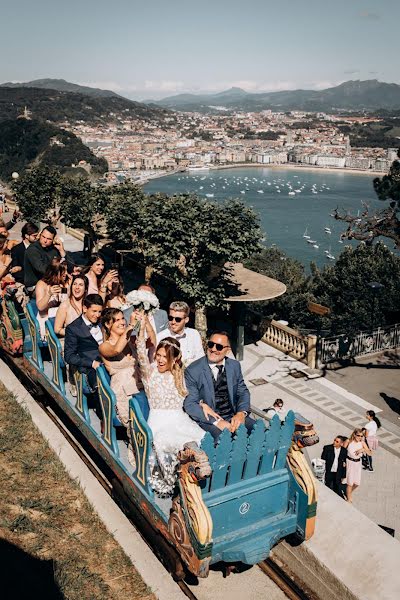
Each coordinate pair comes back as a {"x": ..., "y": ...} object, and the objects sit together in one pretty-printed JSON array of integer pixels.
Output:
[
  {"x": 334, "y": 411},
  {"x": 376, "y": 378}
]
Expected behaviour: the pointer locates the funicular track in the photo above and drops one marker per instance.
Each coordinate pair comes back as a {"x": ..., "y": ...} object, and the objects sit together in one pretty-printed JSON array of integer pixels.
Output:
[{"x": 165, "y": 553}]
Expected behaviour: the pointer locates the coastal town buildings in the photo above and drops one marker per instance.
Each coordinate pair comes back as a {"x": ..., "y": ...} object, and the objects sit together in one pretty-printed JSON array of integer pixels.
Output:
[{"x": 137, "y": 149}]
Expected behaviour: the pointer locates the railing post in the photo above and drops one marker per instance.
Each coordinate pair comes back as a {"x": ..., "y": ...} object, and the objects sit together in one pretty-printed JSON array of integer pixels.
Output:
[{"x": 312, "y": 351}]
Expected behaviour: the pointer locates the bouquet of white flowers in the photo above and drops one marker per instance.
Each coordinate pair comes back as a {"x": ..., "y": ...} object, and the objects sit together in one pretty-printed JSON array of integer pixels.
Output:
[{"x": 142, "y": 300}]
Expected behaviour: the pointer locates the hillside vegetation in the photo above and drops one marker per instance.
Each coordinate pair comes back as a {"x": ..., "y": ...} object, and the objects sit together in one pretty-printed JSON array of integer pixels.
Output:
[
  {"x": 62, "y": 86},
  {"x": 24, "y": 143},
  {"x": 60, "y": 107}
]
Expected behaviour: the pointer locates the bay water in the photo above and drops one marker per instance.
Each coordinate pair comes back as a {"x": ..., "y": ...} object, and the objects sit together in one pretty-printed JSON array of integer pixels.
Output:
[{"x": 292, "y": 203}]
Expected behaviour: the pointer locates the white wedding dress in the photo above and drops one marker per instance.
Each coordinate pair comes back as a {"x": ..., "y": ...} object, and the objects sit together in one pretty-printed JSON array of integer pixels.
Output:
[{"x": 170, "y": 426}]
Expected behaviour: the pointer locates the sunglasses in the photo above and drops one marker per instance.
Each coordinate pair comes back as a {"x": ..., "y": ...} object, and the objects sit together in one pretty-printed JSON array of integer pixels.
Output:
[
  {"x": 176, "y": 319},
  {"x": 219, "y": 347}
]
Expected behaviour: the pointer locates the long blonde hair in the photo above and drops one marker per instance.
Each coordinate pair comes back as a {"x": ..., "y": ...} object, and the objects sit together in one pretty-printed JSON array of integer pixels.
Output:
[
  {"x": 174, "y": 359},
  {"x": 357, "y": 431}
]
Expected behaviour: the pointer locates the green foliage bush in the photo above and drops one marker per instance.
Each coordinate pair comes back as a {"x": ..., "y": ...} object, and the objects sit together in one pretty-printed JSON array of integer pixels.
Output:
[{"x": 25, "y": 143}]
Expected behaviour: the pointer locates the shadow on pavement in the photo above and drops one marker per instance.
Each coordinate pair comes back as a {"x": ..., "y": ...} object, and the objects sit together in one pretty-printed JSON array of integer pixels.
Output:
[
  {"x": 24, "y": 576},
  {"x": 392, "y": 402}
]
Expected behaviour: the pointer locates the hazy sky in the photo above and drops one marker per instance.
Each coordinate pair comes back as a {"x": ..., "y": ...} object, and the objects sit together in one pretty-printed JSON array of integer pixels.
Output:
[{"x": 162, "y": 47}]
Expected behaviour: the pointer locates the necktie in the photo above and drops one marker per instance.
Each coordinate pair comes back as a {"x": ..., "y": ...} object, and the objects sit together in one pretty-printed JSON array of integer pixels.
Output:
[{"x": 219, "y": 376}]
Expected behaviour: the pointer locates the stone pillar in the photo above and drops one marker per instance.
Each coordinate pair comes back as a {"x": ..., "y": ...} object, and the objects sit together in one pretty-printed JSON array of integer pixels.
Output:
[{"x": 312, "y": 341}]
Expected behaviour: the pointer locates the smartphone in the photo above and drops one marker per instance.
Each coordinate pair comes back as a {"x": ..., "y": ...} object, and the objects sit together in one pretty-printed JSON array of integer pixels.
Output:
[
  {"x": 64, "y": 290},
  {"x": 115, "y": 266}
]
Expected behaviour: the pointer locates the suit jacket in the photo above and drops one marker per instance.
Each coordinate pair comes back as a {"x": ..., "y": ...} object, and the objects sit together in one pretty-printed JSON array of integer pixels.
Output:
[
  {"x": 37, "y": 259},
  {"x": 18, "y": 258},
  {"x": 80, "y": 347},
  {"x": 328, "y": 454},
  {"x": 160, "y": 317},
  {"x": 200, "y": 386}
]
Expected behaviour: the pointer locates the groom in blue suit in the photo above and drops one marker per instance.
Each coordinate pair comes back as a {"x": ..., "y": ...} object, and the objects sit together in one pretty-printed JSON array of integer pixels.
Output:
[{"x": 216, "y": 381}]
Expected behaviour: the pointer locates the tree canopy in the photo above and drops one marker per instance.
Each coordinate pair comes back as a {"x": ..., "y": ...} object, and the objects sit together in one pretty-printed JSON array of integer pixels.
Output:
[
  {"x": 186, "y": 238},
  {"x": 342, "y": 286},
  {"x": 383, "y": 223},
  {"x": 37, "y": 194},
  {"x": 274, "y": 263}
]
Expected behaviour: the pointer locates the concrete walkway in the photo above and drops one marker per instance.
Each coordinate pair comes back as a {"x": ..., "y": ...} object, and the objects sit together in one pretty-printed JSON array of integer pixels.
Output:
[{"x": 334, "y": 411}]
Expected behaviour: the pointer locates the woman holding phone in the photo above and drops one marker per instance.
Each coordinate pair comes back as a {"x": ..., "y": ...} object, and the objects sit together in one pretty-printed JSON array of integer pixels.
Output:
[
  {"x": 51, "y": 290},
  {"x": 94, "y": 273},
  {"x": 115, "y": 297}
]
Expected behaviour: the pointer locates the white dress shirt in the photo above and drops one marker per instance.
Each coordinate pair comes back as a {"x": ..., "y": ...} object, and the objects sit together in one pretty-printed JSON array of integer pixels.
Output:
[
  {"x": 190, "y": 342},
  {"x": 95, "y": 330},
  {"x": 334, "y": 466},
  {"x": 214, "y": 368}
]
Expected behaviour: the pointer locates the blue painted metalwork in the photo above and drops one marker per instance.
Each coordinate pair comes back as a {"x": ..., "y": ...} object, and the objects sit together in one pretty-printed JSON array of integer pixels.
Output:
[
  {"x": 285, "y": 440},
  {"x": 142, "y": 440},
  {"x": 255, "y": 450},
  {"x": 272, "y": 436},
  {"x": 238, "y": 456},
  {"x": 34, "y": 330},
  {"x": 221, "y": 460},
  {"x": 56, "y": 357},
  {"x": 252, "y": 498},
  {"x": 81, "y": 398},
  {"x": 107, "y": 403}
]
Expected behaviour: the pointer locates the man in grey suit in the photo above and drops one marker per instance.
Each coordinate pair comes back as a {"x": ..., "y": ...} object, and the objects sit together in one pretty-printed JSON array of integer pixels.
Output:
[
  {"x": 159, "y": 318},
  {"x": 217, "y": 382}
]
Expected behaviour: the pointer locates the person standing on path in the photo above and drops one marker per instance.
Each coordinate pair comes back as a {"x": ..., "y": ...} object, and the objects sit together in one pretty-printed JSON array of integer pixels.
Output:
[
  {"x": 371, "y": 429},
  {"x": 355, "y": 449},
  {"x": 335, "y": 456}
]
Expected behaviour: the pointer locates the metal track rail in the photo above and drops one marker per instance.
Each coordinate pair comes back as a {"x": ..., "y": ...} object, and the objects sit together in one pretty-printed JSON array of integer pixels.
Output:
[{"x": 164, "y": 552}]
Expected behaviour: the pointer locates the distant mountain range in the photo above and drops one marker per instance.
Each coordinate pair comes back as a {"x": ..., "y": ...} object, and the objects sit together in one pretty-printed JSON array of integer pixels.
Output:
[
  {"x": 62, "y": 86},
  {"x": 351, "y": 95},
  {"x": 58, "y": 101}
]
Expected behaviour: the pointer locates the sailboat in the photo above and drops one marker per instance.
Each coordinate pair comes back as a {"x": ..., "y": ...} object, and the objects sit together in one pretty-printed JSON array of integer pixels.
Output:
[
  {"x": 329, "y": 254},
  {"x": 305, "y": 234}
]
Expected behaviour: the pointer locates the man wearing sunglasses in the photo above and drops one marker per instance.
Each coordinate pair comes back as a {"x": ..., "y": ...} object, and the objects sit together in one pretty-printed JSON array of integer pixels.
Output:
[
  {"x": 188, "y": 338},
  {"x": 218, "y": 397}
]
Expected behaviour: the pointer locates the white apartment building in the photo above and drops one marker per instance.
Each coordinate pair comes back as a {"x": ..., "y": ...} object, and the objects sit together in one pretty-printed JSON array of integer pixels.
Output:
[
  {"x": 330, "y": 161},
  {"x": 358, "y": 162}
]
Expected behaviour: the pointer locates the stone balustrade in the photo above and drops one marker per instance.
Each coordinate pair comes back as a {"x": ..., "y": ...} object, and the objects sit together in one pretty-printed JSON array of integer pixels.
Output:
[{"x": 291, "y": 342}]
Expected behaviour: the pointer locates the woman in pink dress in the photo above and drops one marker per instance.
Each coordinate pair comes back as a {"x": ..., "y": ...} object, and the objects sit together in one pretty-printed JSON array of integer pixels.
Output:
[
  {"x": 356, "y": 447},
  {"x": 118, "y": 352}
]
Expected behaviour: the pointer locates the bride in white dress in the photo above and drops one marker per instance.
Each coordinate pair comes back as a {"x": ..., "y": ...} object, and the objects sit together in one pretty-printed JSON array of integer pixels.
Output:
[{"x": 170, "y": 425}]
